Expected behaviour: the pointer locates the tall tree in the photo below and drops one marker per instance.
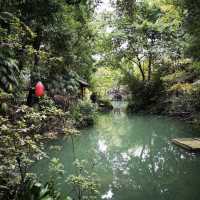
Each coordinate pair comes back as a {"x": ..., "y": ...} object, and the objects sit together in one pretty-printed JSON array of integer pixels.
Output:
[
  {"x": 192, "y": 25},
  {"x": 62, "y": 36},
  {"x": 147, "y": 35}
]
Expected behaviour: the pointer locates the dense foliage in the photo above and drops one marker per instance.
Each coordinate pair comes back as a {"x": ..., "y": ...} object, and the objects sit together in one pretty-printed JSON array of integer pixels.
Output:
[
  {"x": 150, "y": 46},
  {"x": 48, "y": 41},
  {"x": 192, "y": 26},
  {"x": 45, "y": 38},
  {"x": 155, "y": 46}
]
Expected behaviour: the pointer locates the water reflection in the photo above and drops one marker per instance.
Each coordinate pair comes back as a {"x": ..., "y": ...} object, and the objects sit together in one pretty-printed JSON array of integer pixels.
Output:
[
  {"x": 135, "y": 158},
  {"x": 108, "y": 194},
  {"x": 144, "y": 164},
  {"x": 102, "y": 146}
]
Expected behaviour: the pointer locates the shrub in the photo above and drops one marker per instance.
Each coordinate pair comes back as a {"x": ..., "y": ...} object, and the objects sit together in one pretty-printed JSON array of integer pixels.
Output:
[
  {"x": 37, "y": 191},
  {"x": 144, "y": 94},
  {"x": 84, "y": 184},
  {"x": 84, "y": 114},
  {"x": 18, "y": 150},
  {"x": 105, "y": 105}
]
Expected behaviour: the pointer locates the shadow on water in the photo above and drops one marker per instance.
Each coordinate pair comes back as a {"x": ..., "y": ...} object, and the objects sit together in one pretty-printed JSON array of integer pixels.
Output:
[{"x": 134, "y": 158}]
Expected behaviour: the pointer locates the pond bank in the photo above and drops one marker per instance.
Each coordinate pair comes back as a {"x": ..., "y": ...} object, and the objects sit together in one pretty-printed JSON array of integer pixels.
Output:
[{"x": 189, "y": 117}]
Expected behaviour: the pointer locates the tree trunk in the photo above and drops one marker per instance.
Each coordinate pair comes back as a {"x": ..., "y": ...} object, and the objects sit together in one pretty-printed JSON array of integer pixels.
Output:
[
  {"x": 31, "y": 98},
  {"x": 36, "y": 45},
  {"x": 141, "y": 70},
  {"x": 150, "y": 67}
]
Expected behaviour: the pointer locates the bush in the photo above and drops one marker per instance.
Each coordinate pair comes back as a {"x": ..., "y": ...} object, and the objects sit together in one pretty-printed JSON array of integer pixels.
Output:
[
  {"x": 19, "y": 149},
  {"x": 84, "y": 114},
  {"x": 105, "y": 105},
  {"x": 37, "y": 191},
  {"x": 84, "y": 183},
  {"x": 144, "y": 94},
  {"x": 21, "y": 142}
]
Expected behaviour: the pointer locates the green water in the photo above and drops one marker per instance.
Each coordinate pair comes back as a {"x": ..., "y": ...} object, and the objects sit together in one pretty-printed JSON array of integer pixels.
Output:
[{"x": 134, "y": 158}]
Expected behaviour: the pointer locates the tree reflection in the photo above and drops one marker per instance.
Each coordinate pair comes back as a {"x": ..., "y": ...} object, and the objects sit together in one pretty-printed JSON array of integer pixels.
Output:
[
  {"x": 151, "y": 168},
  {"x": 134, "y": 158}
]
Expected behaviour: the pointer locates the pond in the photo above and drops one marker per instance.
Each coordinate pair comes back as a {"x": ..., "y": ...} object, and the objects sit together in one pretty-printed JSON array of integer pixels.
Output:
[{"x": 134, "y": 158}]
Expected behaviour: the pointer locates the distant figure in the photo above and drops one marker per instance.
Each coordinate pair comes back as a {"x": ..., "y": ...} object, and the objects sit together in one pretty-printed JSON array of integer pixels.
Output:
[
  {"x": 93, "y": 97},
  {"x": 32, "y": 99}
]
